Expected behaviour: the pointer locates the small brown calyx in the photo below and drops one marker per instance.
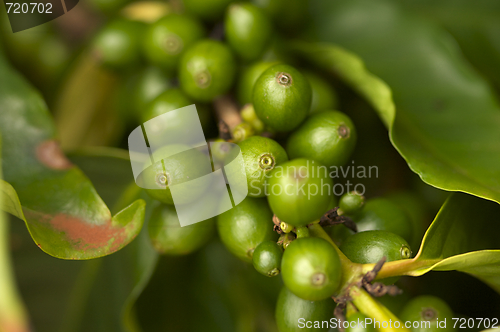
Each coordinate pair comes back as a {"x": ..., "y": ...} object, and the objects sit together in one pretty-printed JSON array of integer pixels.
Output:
[
  {"x": 267, "y": 162},
  {"x": 429, "y": 314},
  {"x": 284, "y": 79},
  {"x": 318, "y": 279},
  {"x": 162, "y": 180},
  {"x": 173, "y": 44},
  {"x": 344, "y": 131},
  {"x": 203, "y": 79},
  {"x": 50, "y": 154}
]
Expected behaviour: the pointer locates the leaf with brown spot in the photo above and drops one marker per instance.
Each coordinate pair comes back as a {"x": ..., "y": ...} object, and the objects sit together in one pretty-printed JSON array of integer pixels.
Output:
[{"x": 64, "y": 214}]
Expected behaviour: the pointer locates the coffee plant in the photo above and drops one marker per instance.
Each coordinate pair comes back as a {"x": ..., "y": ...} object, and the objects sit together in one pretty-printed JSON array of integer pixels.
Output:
[{"x": 369, "y": 135}]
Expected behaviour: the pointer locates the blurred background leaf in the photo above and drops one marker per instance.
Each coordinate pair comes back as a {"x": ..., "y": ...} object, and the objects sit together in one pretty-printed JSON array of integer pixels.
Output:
[
  {"x": 447, "y": 123},
  {"x": 85, "y": 112},
  {"x": 474, "y": 25},
  {"x": 209, "y": 290}
]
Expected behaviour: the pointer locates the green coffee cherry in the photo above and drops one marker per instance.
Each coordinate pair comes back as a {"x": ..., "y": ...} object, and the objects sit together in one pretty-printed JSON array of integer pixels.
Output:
[
  {"x": 267, "y": 258},
  {"x": 351, "y": 203},
  {"x": 431, "y": 309},
  {"x": 311, "y": 269},
  {"x": 207, "y": 10},
  {"x": 117, "y": 45},
  {"x": 242, "y": 131},
  {"x": 369, "y": 247},
  {"x": 248, "y": 114},
  {"x": 167, "y": 101},
  {"x": 168, "y": 237},
  {"x": 382, "y": 214},
  {"x": 148, "y": 85},
  {"x": 302, "y": 232},
  {"x": 261, "y": 155},
  {"x": 248, "y": 30},
  {"x": 338, "y": 233},
  {"x": 172, "y": 99},
  {"x": 282, "y": 97},
  {"x": 328, "y": 137},
  {"x": 288, "y": 15},
  {"x": 178, "y": 168},
  {"x": 220, "y": 152},
  {"x": 207, "y": 70},
  {"x": 51, "y": 57},
  {"x": 247, "y": 79},
  {"x": 357, "y": 323},
  {"x": 291, "y": 309},
  {"x": 245, "y": 226},
  {"x": 333, "y": 203},
  {"x": 324, "y": 96},
  {"x": 415, "y": 209},
  {"x": 299, "y": 192},
  {"x": 395, "y": 304},
  {"x": 166, "y": 40}
]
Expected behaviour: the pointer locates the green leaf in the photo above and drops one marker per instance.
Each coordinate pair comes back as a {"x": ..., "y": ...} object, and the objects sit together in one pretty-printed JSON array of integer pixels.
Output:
[
  {"x": 462, "y": 237},
  {"x": 447, "y": 121},
  {"x": 475, "y": 26},
  {"x": 464, "y": 225},
  {"x": 63, "y": 212},
  {"x": 110, "y": 171},
  {"x": 10, "y": 202},
  {"x": 13, "y": 316},
  {"x": 351, "y": 69}
]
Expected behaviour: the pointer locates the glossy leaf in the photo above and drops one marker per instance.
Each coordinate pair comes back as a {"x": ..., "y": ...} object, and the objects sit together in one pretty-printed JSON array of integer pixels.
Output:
[
  {"x": 13, "y": 316},
  {"x": 447, "y": 120},
  {"x": 463, "y": 237},
  {"x": 475, "y": 26},
  {"x": 63, "y": 212},
  {"x": 464, "y": 225},
  {"x": 10, "y": 202}
]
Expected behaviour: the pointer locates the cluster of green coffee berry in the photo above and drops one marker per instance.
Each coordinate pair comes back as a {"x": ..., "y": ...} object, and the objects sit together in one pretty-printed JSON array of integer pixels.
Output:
[{"x": 290, "y": 135}]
